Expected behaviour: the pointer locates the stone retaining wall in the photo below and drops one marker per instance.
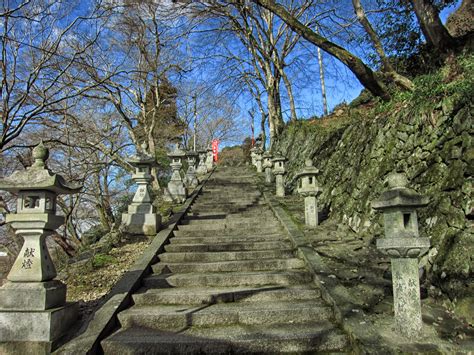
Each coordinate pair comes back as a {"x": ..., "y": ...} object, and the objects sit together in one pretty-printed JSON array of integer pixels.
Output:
[{"x": 356, "y": 149}]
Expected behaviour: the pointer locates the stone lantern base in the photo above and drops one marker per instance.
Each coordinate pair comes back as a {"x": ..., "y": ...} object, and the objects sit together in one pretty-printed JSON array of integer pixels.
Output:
[
  {"x": 141, "y": 219},
  {"x": 34, "y": 316},
  {"x": 175, "y": 192}
]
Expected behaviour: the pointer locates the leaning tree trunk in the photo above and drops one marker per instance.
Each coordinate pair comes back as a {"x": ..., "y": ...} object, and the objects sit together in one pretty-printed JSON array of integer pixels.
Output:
[
  {"x": 365, "y": 75},
  {"x": 400, "y": 80},
  {"x": 435, "y": 33}
]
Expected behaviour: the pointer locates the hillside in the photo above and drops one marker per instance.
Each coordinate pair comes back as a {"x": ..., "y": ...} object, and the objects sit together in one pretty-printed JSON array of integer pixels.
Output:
[{"x": 428, "y": 135}]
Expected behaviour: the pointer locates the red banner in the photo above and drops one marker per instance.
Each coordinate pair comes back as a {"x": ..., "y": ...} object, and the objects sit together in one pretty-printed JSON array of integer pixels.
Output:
[{"x": 215, "y": 148}]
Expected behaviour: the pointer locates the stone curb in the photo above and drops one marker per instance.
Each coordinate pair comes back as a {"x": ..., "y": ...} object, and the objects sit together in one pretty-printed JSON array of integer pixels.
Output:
[
  {"x": 105, "y": 321},
  {"x": 328, "y": 287}
]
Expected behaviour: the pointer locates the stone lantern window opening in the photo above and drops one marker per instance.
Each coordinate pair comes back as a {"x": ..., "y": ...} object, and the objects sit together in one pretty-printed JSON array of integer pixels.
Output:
[{"x": 31, "y": 202}]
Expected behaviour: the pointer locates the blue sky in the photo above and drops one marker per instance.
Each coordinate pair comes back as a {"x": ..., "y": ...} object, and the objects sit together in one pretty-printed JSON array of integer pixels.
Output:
[{"x": 344, "y": 88}]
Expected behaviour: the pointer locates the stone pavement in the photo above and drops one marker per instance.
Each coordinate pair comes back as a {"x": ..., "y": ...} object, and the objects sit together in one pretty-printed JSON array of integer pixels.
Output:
[{"x": 229, "y": 282}]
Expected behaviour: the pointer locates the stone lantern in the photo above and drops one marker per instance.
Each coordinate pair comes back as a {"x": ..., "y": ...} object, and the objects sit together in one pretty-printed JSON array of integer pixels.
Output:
[
  {"x": 253, "y": 155},
  {"x": 209, "y": 159},
  {"x": 176, "y": 191},
  {"x": 279, "y": 171},
  {"x": 403, "y": 244},
  {"x": 267, "y": 166},
  {"x": 141, "y": 217},
  {"x": 258, "y": 160},
  {"x": 309, "y": 188},
  {"x": 202, "y": 168},
  {"x": 191, "y": 180},
  {"x": 33, "y": 309}
]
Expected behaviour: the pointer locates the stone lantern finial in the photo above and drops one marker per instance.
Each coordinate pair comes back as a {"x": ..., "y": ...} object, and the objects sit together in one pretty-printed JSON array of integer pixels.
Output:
[
  {"x": 403, "y": 244},
  {"x": 40, "y": 154},
  {"x": 395, "y": 180}
]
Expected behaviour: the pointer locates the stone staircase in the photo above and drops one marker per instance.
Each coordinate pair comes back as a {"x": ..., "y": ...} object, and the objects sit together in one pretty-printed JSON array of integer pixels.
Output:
[{"x": 229, "y": 282}]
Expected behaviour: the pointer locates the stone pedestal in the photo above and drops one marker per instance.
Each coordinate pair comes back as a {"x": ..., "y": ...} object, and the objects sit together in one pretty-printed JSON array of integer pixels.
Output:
[
  {"x": 280, "y": 186},
  {"x": 35, "y": 332},
  {"x": 141, "y": 217},
  {"x": 406, "y": 296},
  {"x": 311, "y": 211},
  {"x": 404, "y": 246}
]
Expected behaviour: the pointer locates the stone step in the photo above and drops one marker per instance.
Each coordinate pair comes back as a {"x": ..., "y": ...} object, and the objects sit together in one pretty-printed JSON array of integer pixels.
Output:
[
  {"x": 228, "y": 266},
  {"x": 230, "y": 222},
  {"x": 254, "y": 213},
  {"x": 189, "y": 238},
  {"x": 225, "y": 256},
  {"x": 315, "y": 337},
  {"x": 180, "y": 317},
  {"x": 226, "y": 232},
  {"x": 209, "y": 295},
  {"x": 235, "y": 246},
  {"x": 228, "y": 279},
  {"x": 242, "y": 228},
  {"x": 227, "y": 209}
]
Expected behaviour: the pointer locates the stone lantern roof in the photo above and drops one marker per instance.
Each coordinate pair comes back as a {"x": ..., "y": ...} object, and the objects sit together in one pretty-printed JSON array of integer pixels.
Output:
[
  {"x": 192, "y": 153},
  {"x": 38, "y": 177},
  {"x": 279, "y": 158},
  {"x": 308, "y": 170},
  {"x": 141, "y": 158},
  {"x": 267, "y": 155},
  {"x": 399, "y": 195},
  {"x": 177, "y": 152}
]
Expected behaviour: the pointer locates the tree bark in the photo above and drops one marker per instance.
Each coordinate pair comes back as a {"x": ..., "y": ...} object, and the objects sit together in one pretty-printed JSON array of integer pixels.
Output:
[
  {"x": 291, "y": 97},
  {"x": 435, "y": 33},
  {"x": 365, "y": 75}
]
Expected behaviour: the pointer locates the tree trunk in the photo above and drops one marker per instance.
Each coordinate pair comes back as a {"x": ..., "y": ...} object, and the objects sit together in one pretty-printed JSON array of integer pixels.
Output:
[
  {"x": 435, "y": 33},
  {"x": 291, "y": 97},
  {"x": 400, "y": 80},
  {"x": 365, "y": 75}
]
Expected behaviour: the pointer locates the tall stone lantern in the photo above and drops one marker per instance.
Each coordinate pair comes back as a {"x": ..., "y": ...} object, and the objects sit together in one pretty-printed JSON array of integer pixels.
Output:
[
  {"x": 202, "y": 168},
  {"x": 33, "y": 309},
  {"x": 258, "y": 160},
  {"x": 176, "y": 190},
  {"x": 267, "y": 167},
  {"x": 141, "y": 217},
  {"x": 309, "y": 188},
  {"x": 404, "y": 245},
  {"x": 209, "y": 159},
  {"x": 279, "y": 171},
  {"x": 191, "y": 180}
]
